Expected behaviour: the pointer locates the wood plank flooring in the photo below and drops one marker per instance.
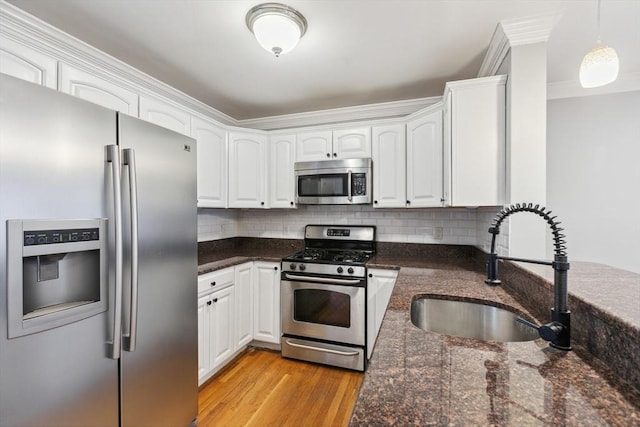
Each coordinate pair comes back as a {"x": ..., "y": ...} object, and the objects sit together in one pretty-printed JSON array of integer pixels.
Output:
[{"x": 260, "y": 388}]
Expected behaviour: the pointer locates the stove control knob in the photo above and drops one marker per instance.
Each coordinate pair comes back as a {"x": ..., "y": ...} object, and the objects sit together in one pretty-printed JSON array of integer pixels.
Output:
[
  {"x": 340, "y": 270},
  {"x": 303, "y": 267},
  {"x": 292, "y": 266},
  {"x": 350, "y": 270}
]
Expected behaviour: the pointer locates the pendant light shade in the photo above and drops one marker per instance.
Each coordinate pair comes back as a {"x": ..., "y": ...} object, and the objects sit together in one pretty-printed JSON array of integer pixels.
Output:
[
  {"x": 277, "y": 27},
  {"x": 599, "y": 67}
]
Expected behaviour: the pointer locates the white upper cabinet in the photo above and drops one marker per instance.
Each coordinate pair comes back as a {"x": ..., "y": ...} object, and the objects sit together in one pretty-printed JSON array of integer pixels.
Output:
[
  {"x": 336, "y": 144},
  {"x": 282, "y": 184},
  {"x": 247, "y": 170},
  {"x": 424, "y": 159},
  {"x": 352, "y": 143},
  {"x": 27, "y": 64},
  {"x": 164, "y": 114},
  {"x": 212, "y": 163},
  {"x": 389, "y": 153},
  {"x": 474, "y": 129},
  {"x": 92, "y": 88},
  {"x": 311, "y": 146}
]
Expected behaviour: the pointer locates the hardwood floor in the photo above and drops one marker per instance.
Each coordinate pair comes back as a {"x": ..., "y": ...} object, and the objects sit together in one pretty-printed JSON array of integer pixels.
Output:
[{"x": 260, "y": 388}]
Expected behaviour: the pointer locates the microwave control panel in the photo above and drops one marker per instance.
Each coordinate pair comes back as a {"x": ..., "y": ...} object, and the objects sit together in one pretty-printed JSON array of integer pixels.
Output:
[{"x": 359, "y": 184}]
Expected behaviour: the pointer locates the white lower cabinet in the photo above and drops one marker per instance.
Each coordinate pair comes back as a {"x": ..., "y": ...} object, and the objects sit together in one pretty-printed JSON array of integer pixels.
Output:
[
  {"x": 379, "y": 288},
  {"x": 244, "y": 304},
  {"x": 266, "y": 326},
  {"x": 215, "y": 321},
  {"x": 236, "y": 305}
]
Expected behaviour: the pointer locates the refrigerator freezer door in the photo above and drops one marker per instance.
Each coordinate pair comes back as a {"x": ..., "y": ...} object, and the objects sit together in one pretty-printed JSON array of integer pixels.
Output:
[
  {"x": 52, "y": 166},
  {"x": 159, "y": 378}
]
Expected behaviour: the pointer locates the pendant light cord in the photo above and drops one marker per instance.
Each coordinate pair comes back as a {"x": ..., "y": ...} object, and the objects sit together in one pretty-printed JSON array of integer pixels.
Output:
[{"x": 599, "y": 30}]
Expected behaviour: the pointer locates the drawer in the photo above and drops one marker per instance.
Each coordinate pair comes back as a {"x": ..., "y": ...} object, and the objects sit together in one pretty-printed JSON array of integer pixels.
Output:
[{"x": 215, "y": 280}]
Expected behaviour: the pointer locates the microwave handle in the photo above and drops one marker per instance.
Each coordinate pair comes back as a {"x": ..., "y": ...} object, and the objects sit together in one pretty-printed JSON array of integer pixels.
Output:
[{"x": 349, "y": 195}]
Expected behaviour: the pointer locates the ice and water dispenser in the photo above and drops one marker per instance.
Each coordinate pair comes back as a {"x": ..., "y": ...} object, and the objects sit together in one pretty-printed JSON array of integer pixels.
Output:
[{"x": 57, "y": 272}]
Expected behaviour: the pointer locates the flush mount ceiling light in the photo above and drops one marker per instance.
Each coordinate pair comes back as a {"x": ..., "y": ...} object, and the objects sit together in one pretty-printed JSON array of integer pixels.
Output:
[
  {"x": 600, "y": 65},
  {"x": 277, "y": 27}
]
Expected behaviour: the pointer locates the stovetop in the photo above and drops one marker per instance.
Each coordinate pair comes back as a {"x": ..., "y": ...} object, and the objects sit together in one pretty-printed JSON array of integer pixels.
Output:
[{"x": 335, "y": 256}]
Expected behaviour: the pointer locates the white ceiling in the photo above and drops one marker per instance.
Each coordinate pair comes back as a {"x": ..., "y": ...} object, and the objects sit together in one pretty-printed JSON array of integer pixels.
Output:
[{"x": 355, "y": 52}]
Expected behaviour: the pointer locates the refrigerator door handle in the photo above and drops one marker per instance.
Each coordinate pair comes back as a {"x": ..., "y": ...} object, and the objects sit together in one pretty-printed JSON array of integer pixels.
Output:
[
  {"x": 129, "y": 160},
  {"x": 113, "y": 157}
]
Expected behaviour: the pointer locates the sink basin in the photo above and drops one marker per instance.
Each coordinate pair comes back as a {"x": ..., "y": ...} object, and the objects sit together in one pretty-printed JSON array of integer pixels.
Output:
[{"x": 469, "y": 320}]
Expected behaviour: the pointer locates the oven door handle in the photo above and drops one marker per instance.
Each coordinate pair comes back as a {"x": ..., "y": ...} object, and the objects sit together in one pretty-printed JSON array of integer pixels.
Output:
[
  {"x": 326, "y": 350},
  {"x": 326, "y": 280}
]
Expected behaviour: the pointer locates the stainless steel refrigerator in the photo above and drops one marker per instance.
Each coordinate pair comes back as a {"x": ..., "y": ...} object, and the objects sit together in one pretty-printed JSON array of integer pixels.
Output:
[{"x": 98, "y": 265}]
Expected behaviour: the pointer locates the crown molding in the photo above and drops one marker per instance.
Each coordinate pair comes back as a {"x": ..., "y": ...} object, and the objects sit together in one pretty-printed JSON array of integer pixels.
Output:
[
  {"x": 516, "y": 32},
  {"x": 571, "y": 88},
  {"x": 28, "y": 30},
  {"x": 383, "y": 110}
]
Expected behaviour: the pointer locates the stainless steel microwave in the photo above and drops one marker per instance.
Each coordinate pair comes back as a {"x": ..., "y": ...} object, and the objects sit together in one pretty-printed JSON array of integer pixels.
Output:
[{"x": 333, "y": 182}]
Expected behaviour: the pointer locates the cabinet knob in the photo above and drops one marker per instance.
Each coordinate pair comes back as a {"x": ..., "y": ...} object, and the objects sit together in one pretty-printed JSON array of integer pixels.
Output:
[
  {"x": 328, "y": 155},
  {"x": 275, "y": 268},
  {"x": 370, "y": 275},
  {"x": 208, "y": 302},
  {"x": 215, "y": 300},
  {"x": 408, "y": 202},
  {"x": 213, "y": 283},
  {"x": 261, "y": 203},
  {"x": 335, "y": 155},
  {"x": 375, "y": 202},
  {"x": 291, "y": 203}
]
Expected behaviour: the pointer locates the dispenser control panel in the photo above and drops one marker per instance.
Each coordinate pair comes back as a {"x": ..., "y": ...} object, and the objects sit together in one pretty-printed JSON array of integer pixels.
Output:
[{"x": 47, "y": 237}]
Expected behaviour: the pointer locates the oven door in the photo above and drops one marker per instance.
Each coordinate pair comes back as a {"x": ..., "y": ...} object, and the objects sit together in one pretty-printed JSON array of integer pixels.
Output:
[{"x": 331, "y": 309}]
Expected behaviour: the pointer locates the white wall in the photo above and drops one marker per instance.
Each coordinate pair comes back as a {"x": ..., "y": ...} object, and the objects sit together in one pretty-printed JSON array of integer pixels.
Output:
[
  {"x": 216, "y": 224},
  {"x": 593, "y": 170}
]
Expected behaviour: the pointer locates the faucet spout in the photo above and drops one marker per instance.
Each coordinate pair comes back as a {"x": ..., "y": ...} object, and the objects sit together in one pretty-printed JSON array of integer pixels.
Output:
[{"x": 558, "y": 331}]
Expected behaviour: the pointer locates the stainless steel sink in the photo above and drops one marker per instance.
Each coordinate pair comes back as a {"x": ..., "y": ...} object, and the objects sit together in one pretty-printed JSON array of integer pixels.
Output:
[{"x": 470, "y": 320}]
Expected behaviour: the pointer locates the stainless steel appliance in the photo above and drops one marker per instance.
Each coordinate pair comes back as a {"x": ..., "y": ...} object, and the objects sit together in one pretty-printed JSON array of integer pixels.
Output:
[
  {"x": 98, "y": 255},
  {"x": 333, "y": 182},
  {"x": 323, "y": 296}
]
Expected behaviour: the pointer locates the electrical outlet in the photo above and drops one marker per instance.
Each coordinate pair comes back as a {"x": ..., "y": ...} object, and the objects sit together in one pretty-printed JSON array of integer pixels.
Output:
[{"x": 437, "y": 233}]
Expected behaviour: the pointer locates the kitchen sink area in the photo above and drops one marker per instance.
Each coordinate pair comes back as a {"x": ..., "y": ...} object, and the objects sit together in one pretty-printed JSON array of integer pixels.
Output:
[{"x": 478, "y": 320}]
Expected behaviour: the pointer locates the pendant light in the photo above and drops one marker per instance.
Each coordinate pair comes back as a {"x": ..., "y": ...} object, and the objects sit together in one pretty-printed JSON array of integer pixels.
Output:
[
  {"x": 600, "y": 65},
  {"x": 277, "y": 27}
]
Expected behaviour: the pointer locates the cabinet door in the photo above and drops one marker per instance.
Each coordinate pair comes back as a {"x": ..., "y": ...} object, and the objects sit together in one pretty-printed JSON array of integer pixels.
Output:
[
  {"x": 243, "y": 304},
  {"x": 475, "y": 142},
  {"x": 424, "y": 161},
  {"x": 204, "y": 337},
  {"x": 311, "y": 146},
  {"x": 379, "y": 289},
  {"x": 27, "y": 64},
  {"x": 212, "y": 163},
  {"x": 267, "y": 302},
  {"x": 89, "y": 87},
  {"x": 221, "y": 327},
  {"x": 164, "y": 114},
  {"x": 247, "y": 170},
  {"x": 389, "y": 155},
  {"x": 352, "y": 143},
  {"x": 281, "y": 176}
]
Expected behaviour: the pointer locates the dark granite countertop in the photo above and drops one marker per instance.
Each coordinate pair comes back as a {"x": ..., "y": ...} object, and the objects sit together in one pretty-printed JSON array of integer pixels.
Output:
[{"x": 422, "y": 378}]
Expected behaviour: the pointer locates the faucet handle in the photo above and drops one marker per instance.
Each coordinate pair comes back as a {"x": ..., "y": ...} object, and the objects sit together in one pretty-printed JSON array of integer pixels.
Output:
[{"x": 548, "y": 332}]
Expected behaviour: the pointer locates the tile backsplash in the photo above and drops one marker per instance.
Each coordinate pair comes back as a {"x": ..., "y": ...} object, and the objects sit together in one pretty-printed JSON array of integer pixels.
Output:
[{"x": 456, "y": 226}]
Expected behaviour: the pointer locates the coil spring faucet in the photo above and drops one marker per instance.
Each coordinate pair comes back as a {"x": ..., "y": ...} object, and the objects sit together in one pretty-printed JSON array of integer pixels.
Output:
[{"x": 558, "y": 331}]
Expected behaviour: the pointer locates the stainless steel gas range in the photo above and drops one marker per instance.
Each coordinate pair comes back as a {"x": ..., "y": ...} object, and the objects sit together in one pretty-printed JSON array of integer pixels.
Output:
[{"x": 323, "y": 296}]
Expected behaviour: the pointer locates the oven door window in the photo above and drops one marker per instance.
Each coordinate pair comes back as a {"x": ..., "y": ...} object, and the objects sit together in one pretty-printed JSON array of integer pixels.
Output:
[
  {"x": 334, "y": 184},
  {"x": 322, "y": 307}
]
